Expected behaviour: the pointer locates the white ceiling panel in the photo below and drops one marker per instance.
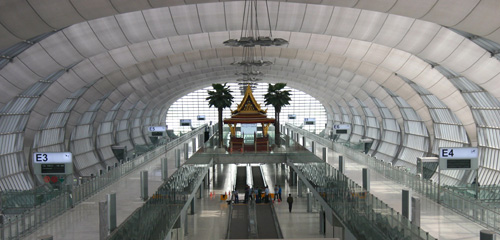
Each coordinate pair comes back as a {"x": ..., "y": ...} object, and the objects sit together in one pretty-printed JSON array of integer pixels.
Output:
[
  {"x": 109, "y": 32},
  {"x": 366, "y": 69},
  {"x": 217, "y": 38},
  {"x": 104, "y": 63},
  {"x": 483, "y": 70},
  {"x": 134, "y": 26},
  {"x": 412, "y": 8},
  {"x": 234, "y": 15},
  {"x": 450, "y": 12},
  {"x": 39, "y": 61},
  {"x": 316, "y": 18},
  {"x": 357, "y": 49},
  {"x": 336, "y": 61},
  {"x": 419, "y": 36},
  {"x": 395, "y": 60},
  {"x": 318, "y": 42},
  {"x": 338, "y": 45},
  {"x": 71, "y": 81},
  {"x": 7, "y": 37},
  {"x": 412, "y": 67},
  {"x": 180, "y": 44},
  {"x": 376, "y": 54},
  {"x": 199, "y": 41},
  {"x": 19, "y": 75},
  {"x": 83, "y": 39},
  {"x": 123, "y": 57},
  {"x": 160, "y": 22},
  {"x": 466, "y": 54},
  {"x": 368, "y": 25},
  {"x": 61, "y": 50},
  {"x": 320, "y": 57},
  {"x": 393, "y": 31},
  {"x": 429, "y": 78},
  {"x": 7, "y": 91},
  {"x": 57, "y": 13},
  {"x": 484, "y": 12},
  {"x": 177, "y": 59},
  {"x": 86, "y": 71},
  {"x": 146, "y": 67},
  {"x": 441, "y": 46},
  {"x": 304, "y": 55},
  {"x": 290, "y": 16},
  {"x": 211, "y": 17},
  {"x": 91, "y": 9},
  {"x": 142, "y": 51},
  {"x": 130, "y": 5},
  {"x": 299, "y": 40},
  {"x": 161, "y": 47},
  {"x": 376, "y": 5},
  {"x": 381, "y": 74},
  {"x": 192, "y": 56},
  {"x": 342, "y": 21},
  {"x": 22, "y": 27},
  {"x": 186, "y": 19}
]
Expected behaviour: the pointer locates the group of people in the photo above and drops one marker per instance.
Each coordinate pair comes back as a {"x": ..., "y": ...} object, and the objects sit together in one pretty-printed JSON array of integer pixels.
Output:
[{"x": 251, "y": 193}]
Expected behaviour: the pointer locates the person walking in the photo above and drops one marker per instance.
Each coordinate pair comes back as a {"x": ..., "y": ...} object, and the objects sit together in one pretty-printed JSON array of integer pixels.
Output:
[
  {"x": 266, "y": 198},
  {"x": 289, "y": 200},
  {"x": 275, "y": 192},
  {"x": 279, "y": 193}
]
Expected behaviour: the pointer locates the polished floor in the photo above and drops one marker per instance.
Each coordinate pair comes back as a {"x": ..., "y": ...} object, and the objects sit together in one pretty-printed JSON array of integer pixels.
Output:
[{"x": 211, "y": 214}]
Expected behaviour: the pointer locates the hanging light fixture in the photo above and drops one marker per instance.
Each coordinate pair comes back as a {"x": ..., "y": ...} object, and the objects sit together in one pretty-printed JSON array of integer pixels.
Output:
[{"x": 251, "y": 41}]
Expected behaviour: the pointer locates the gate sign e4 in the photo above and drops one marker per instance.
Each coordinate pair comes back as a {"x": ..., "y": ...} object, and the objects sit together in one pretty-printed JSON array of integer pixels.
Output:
[{"x": 458, "y": 158}]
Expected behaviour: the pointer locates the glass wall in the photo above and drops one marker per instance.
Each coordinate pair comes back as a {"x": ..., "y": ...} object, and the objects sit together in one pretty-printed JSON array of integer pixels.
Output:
[{"x": 194, "y": 105}]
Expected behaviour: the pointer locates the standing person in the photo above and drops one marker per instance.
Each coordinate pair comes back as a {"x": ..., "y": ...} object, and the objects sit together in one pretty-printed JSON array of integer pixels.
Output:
[
  {"x": 279, "y": 193},
  {"x": 267, "y": 194},
  {"x": 247, "y": 191},
  {"x": 289, "y": 200},
  {"x": 275, "y": 192}
]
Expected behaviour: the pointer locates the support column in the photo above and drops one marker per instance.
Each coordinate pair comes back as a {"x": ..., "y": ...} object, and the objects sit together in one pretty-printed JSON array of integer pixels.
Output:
[
  {"x": 304, "y": 141},
  {"x": 192, "y": 207},
  {"x": 366, "y": 179},
  {"x": 144, "y": 185},
  {"x": 341, "y": 164},
  {"x": 111, "y": 211},
  {"x": 406, "y": 203},
  {"x": 415, "y": 211},
  {"x": 299, "y": 188},
  {"x": 193, "y": 141},
  {"x": 309, "y": 202},
  {"x": 103, "y": 220},
  {"x": 325, "y": 154},
  {"x": 186, "y": 151},
  {"x": 200, "y": 194},
  {"x": 313, "y": 147},
  {"x": 177, "y": 158},
  {"x": 164, "y": 169},
  {"x": 322, "y": 223}
]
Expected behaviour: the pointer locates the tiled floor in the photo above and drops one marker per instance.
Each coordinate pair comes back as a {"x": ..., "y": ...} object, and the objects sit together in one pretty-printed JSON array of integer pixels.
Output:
[{"x": 439, "y": 221}]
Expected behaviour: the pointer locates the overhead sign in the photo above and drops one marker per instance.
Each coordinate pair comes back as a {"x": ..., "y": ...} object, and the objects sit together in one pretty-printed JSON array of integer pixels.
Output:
[
  {"x": 53, "y": 163},
  {"x": 52, "y": 157},
  {"x": 309, "y": 121},
  {"x": 185, "y": 122},
  {"x": 342, "y": 128},
  {"x": 292, "y": 116},
  {"x": 201, "y": 117},
  {"x": 157, "y": 129},
  {"x": 458, "y": 158}
]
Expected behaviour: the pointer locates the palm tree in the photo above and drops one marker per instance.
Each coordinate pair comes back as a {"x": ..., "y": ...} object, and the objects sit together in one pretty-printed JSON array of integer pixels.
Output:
[
  {"x": 278, "y": 98},
  {"x": 220, "y": 98}
]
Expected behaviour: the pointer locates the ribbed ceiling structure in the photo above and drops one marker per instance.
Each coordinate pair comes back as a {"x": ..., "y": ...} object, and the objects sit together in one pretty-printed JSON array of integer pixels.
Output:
[{"x": 414, "y": 75}]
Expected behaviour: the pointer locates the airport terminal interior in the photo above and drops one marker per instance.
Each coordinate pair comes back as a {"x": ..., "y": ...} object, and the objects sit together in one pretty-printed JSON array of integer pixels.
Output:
[{"x": 204, "y": 119}]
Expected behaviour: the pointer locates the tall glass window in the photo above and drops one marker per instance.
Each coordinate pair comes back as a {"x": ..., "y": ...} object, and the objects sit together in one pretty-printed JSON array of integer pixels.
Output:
[{"x": 193, "y": 106}]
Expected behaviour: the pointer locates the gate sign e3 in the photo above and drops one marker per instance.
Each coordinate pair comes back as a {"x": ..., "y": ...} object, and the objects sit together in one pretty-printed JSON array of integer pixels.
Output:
[
  {"x": 458, "y": 158},
  {"x": 53, "y": 163}
]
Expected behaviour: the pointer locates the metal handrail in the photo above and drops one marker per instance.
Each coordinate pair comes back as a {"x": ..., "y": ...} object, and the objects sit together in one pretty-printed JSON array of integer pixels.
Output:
[{"x": 31, "y": 220}]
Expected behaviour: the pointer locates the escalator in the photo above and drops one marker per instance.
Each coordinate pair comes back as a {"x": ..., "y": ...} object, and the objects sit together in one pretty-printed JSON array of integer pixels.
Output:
[
  {"x": 241, "y": 179},
  {"x": 258, "y": 180}
]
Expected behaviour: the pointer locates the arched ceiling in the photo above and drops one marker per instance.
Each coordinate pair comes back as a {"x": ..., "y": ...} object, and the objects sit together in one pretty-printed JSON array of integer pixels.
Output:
[{"x": 156, "y": 51}]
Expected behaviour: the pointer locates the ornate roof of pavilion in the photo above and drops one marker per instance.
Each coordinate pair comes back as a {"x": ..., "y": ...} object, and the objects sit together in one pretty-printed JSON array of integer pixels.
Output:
[{"x": 248, "y": 111}]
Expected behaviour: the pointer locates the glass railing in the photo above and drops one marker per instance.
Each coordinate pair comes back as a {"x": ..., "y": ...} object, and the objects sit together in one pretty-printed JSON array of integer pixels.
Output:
[
  {"x": 158, "y": 215},
  {"x": 465, "y": 204},
  {"x": 364, "y": 215},
  {"x": 22, "y": 224}
]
